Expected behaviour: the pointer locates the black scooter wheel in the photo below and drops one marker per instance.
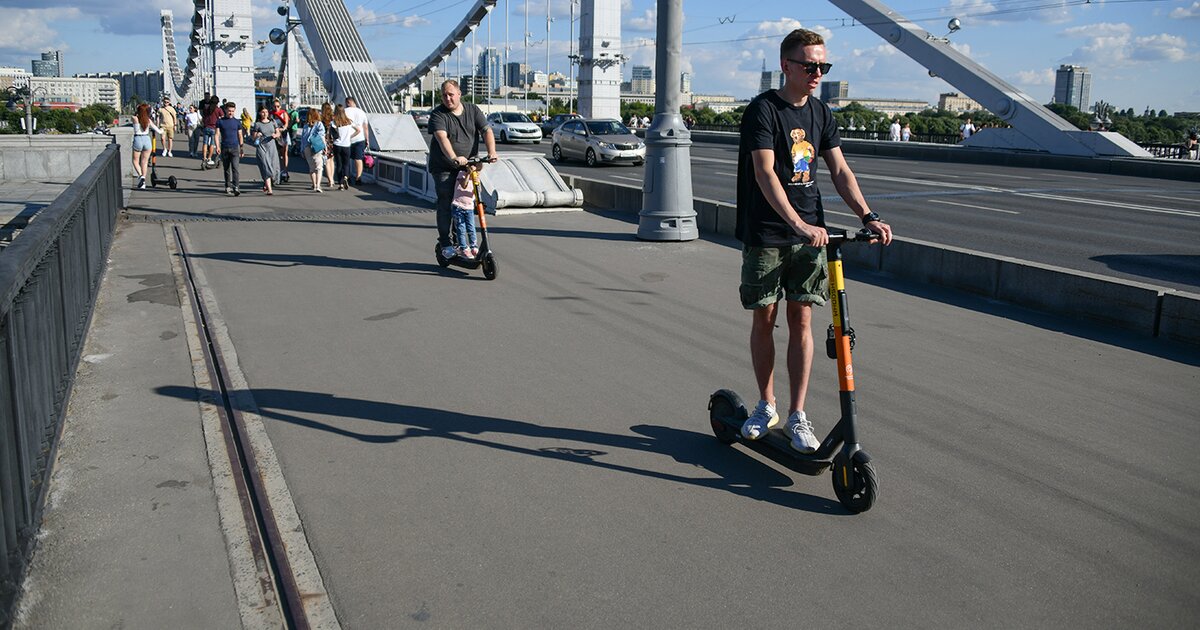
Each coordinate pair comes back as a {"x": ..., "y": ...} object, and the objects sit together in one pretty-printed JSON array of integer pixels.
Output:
[
  {"x": 172, "y": 182},
  {"x": 489, "y": 268},
  {"x": 855, "y": 484},
  {"x": 723, "y": 408},
  {"x": 442, "y": 260}
]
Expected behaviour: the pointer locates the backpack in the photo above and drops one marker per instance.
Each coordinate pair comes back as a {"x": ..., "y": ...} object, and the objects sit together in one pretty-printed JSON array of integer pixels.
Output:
[{"x": 316, "y": 141}]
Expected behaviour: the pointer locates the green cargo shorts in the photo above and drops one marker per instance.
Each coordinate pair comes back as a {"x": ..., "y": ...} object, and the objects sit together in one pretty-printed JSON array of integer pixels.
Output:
[{"x": 797, "y": 272}]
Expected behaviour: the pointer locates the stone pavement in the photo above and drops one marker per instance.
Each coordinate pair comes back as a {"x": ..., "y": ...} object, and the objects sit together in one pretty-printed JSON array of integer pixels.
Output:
[{"x": 534, "y": 451}]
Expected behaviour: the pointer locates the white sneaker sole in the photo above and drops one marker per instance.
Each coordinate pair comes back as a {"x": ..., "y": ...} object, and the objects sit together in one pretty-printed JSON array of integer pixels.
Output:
[{"x": 774, "y": 422}]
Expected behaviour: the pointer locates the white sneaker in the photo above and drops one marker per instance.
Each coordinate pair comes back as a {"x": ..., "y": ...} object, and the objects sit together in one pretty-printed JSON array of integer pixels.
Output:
[
  {"x": 801, "y": 432},
  {"x": 449, "y": 252},
  {"x": 761, "y": 421}
]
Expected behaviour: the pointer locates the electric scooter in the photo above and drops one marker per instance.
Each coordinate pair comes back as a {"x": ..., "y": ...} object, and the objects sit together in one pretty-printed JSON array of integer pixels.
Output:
[
  {"x": 154, "y": 179},
  {"x": 854, "y": 480},
  {"x": 486, "y": 259}
]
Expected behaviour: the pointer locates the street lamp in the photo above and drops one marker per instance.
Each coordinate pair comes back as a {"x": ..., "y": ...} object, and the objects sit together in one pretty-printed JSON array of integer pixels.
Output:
[{"x": 27, "y": 93}]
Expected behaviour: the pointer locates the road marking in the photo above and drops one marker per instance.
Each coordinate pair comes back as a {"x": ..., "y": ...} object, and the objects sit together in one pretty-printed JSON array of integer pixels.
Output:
[
  {"x": 725, "y": 174},
  {"x": 909, "y": 180},
  {"x": 1002, "y": 175},
  {"x": 967, "y": 205},
  {"x": 698, "y": 158},
  {"x": 935, "y": 174},
  {"x": 1114, "y": 204},
  {"x": 1078, "y": 177},
  {"x": 632, "y": 179},
  {"x": 1192, "y": 200}
]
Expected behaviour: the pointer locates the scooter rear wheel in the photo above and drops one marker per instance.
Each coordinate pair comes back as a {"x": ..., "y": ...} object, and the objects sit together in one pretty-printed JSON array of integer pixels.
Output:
[
  {"x": 489, "y": 268},
  {"x": 172, "y": 182},
  {"x": 855, "y": 484},
  {"x": 441, "y": 260}
]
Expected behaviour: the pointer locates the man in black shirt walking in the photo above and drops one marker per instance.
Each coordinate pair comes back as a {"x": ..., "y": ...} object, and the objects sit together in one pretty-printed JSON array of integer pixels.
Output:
[{"x": 781, "y": 224}]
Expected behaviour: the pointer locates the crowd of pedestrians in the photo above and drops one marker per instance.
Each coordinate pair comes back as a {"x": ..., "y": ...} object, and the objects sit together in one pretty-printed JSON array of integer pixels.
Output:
[{"x": 332, "y": 139}]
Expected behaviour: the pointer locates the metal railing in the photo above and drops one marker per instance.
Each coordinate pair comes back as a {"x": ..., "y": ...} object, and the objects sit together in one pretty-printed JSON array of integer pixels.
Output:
[{"x": 49, "y": 278}]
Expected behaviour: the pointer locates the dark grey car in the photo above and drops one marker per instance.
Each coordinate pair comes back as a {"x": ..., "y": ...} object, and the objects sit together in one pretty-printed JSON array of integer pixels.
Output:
[{"x": 598, "y": 141}]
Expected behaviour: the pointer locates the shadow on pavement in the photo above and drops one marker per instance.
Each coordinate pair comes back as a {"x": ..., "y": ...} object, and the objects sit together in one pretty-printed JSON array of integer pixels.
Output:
[
  {"x": 312, "y": 260},
  {"x": 1181, "y": 269},
  {"x": 735, "y": 472}
]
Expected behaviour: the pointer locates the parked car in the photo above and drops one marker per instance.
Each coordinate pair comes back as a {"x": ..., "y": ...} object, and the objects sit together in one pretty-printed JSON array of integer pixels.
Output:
[
  {"x": 598, "y": 141},
  {"x": 552, "y": 123},
  {"x": 421, "y": 116},
  {"x": 514, "y": 127}
]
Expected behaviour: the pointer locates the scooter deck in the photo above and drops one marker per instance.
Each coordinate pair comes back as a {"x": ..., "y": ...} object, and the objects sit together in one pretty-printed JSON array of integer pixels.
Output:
[{"x": 775, "y": 446}]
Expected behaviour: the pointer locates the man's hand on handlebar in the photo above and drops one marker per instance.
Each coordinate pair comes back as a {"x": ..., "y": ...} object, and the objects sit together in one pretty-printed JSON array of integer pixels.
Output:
[
  {"x": 817, "y": 236},
  {"x": 882, "y": 229}
]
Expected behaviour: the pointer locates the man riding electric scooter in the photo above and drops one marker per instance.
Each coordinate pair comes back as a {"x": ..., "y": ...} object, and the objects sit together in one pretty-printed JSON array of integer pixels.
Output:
[{"x": 456, "y": 128}]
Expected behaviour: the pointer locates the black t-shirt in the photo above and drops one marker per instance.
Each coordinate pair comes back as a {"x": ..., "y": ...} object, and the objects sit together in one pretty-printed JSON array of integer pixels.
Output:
[
  {"x": 463, "y": 131},
  {"x": 797, "y": 135}
]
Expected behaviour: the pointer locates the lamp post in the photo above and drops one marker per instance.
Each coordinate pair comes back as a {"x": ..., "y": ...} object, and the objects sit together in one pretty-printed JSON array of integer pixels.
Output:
[
  {"x": 27, "y": 93},
  {"x": 667, "y": 210}
]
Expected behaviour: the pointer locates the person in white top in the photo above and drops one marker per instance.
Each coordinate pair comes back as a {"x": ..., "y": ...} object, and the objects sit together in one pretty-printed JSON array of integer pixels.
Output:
[
  {"x": 966, "y": 130},
  {"x": 192, "y": 122},
  {"x": 358, "y": 148},
  {"x": 347, "y": 134},
  {"x": 142, "y": 127},
  {"x": 894, "y": 130}
]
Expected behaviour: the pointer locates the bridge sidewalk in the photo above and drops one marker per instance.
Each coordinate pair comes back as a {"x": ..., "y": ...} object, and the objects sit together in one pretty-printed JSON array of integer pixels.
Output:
[{"x": 131, "y": 535}]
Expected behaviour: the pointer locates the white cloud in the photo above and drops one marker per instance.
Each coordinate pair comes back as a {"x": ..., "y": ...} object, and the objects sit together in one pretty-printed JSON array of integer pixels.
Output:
[
  {"x": 1044, "y": 76},
  {"x": 1186, "y": 13},
  {"x": 982, "y": 13},
  {"x": 27, "y": 31},
  {"x": 1109, "y": 43},
  {"x": 646, "y": 22}
]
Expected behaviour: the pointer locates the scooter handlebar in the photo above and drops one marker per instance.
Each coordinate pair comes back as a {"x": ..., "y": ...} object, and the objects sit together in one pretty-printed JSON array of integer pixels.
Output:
[
  {"x": 845, "y": 236},
  {"x": 479, "y": 161}
]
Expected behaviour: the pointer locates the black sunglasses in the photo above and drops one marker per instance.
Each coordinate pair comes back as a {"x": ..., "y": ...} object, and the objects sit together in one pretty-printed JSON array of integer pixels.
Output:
[{"x": 812, "y": 66}]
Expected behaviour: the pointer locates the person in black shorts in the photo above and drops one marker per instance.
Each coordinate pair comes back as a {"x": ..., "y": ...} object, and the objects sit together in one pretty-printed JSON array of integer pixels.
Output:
[{"x": 781, "y": 224}]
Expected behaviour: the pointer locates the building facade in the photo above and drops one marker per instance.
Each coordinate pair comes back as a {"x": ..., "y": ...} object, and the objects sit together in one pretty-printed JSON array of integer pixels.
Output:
[
  {"x": 68, "y": 91},
  {"x": 889, "y": 106},
  {"x": 642, "y": 81},
  {"x": 955, "y": 102},
  {"x": 769, "y": 79},
  {"x": 1073, "y": 86},
  {"x": 489, "y": 66},
  {"x": 515, "y": 74},
  {"x": 600, "y": 58},
  {"x": 50, "y": 65},
  {"x": 145, "y": 86},
  {"x": 685, "y": 82},
  {"x": 831, "y": 90}
]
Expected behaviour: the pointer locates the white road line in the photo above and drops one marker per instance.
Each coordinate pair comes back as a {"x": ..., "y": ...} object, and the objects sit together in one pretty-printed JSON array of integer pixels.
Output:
[
  {"x": 1077, "y": 177},
  {"x": 1114, "y": 204},
  {"x": 727, "y": 174},
  {"x": 909, "y": 180},
  {"x": 967, "y": 205},
  {"x": 1193, "y": 199},
  {"x": 1002, "y": 175},
  {"x": 632, "y": 179},
  {"x": 699, "y": 158},
  {"x": 935, "y": 174}
]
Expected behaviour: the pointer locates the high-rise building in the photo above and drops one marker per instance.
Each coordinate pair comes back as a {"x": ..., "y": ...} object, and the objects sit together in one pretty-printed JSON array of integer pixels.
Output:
[
  {"x": 145, "y": 86},
  {"x": 685, "y": 82},
  {"x": 489, "y": 66},
  {"x": 643, "y": 80},
  {"x": 1073, "y": 86},
  {"x": 475, "y": 85},
  {"x": 834, "y": 89},
  {"x": 770, "y": 79},
  {"x": 514, "y": 74},
  {"x": 50, "y": 65}
]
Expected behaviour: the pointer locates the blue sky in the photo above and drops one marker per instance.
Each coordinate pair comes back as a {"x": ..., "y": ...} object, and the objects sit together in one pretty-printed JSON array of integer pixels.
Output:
[{"x": 1140, "y": 52}]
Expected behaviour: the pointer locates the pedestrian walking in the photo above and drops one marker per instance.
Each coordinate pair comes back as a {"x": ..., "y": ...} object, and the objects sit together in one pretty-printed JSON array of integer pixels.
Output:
[
  {"x": 330, "y": 136},
  {"x": 262, "y": 136},
  {"x": 280, "y": 116},
  {"x": 192, "y": 128},
  {"x": 230, "y": 136},
  {"x": 312, "y": 147},
  {"x": 345, "y": 137},
  {"x": 894, "y": 130},
  {"x": 358, "y": 148},
  {"x": 209, "y": 117},
  {"x": 906, "y": 133},
  {"x": 168, "y": 119}
]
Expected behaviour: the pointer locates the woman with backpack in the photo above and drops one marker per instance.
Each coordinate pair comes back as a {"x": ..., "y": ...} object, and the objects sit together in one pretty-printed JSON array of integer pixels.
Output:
[{"x": 312, "y": 146}]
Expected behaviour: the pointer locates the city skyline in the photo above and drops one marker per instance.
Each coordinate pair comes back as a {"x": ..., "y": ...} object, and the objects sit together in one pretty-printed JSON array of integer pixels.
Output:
[{"x": 1139, "y": 53}]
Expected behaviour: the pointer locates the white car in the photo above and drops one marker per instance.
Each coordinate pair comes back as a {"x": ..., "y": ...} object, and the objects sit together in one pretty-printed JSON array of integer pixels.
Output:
[{"x": 514, "y": 127}]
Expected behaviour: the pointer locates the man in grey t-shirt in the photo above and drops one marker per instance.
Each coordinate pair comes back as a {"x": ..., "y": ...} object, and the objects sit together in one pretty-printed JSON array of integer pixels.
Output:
[{"x": 456, "y": 128}]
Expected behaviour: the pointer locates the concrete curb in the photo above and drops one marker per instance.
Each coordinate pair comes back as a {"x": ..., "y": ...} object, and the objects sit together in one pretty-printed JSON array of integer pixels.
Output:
[{"x": 1146, "y": 309}]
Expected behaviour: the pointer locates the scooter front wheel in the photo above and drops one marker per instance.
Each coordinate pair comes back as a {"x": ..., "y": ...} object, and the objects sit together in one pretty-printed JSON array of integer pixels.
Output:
[
  {"x": 489, "y": 267},
  {"x": 855, "y": 484}
]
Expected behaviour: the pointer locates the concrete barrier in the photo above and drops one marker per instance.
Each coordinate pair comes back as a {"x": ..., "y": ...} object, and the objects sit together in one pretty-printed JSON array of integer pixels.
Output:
[
  {"x": 1186, "y": 170},
  {"x": 49, "y": 157},
  {"x": 1146, "y": 309}
]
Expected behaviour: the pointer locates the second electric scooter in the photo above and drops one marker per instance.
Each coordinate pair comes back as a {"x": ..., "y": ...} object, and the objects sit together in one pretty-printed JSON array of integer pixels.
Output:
[
  {"x": 854, "y": 480},
  {"x": 486, "y": 259}
]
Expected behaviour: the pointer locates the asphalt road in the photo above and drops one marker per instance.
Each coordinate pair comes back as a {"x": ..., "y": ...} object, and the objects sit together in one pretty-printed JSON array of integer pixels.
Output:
[
  {"x": 1128, "y": 227},
  {"x": 534, "y": 451}
]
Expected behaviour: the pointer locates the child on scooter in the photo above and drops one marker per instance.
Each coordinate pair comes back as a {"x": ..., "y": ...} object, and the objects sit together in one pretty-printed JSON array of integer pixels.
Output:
[{"x": 462, "y": 213}]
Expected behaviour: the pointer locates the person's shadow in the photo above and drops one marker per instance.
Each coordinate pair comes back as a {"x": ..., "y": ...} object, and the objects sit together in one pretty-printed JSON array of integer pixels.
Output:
[{"x": 732, "y": 471}]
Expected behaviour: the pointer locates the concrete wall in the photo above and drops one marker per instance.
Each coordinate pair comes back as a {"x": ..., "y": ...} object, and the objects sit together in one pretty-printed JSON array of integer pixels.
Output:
[
  {"x": 1143, "y": 308},
  {"x": 52, "y": 158}
]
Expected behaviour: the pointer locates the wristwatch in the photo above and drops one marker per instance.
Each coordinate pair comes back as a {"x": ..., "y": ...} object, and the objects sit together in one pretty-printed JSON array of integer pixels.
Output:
[{"x": 871, "y": 216}]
